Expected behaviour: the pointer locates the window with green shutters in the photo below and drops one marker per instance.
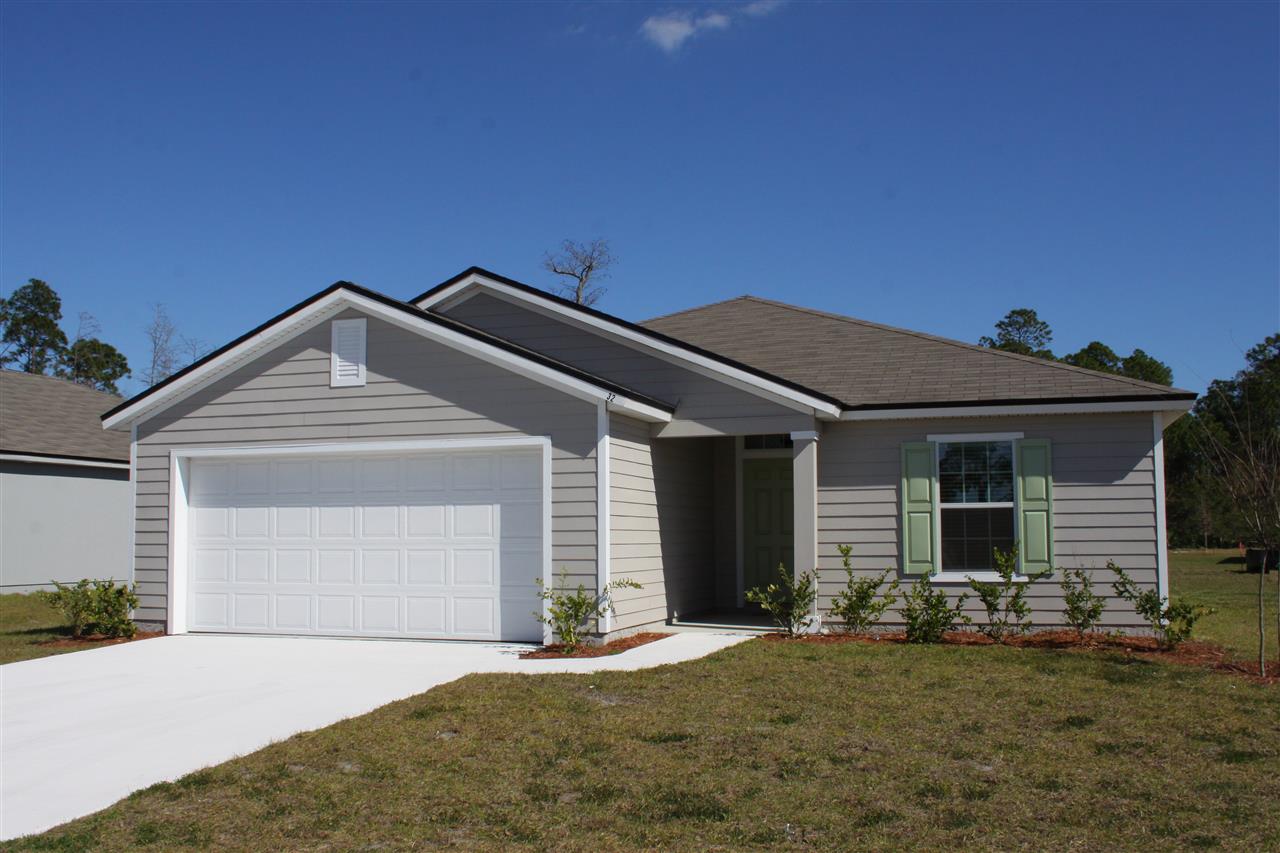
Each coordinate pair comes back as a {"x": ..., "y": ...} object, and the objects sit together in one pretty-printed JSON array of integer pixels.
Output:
[{"x": 965, "y": 496}]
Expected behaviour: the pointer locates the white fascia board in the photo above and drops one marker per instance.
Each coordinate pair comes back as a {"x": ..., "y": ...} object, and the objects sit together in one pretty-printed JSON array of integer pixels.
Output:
[
  {"x": 742, "y": 379},
  {"x": 292, "y": 326},
  {"x": 60, "y": 460},
  {"x": 1018, "y": 409}
]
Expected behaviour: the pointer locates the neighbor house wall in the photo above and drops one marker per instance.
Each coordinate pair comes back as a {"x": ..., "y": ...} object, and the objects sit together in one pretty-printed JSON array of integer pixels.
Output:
[
  {"x": 1103, "y": 499},
  {"x": 62, "y": 523},
  {"x": 662, "y": 515},
  {"x": 416, "y": 388},
  {"x": 709, "y": 403}
]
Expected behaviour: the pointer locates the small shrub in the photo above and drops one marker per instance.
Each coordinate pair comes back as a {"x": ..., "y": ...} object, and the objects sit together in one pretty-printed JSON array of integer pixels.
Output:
[
  {"x": 1006, "y": 601},
  {"x": 859, "y": 605},
  {"x": 1082, "y": 607},
  {"x": 790, "y": 602},
  {"x": 94, "y": 607},
  {"x": 569, "y": 611},
  {"x": 927, "y": 613},
  {"x": 1171, "y": 621}
]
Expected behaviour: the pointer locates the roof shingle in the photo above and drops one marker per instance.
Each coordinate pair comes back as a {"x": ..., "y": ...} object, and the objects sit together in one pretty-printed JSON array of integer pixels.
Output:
[
  {"x": 55, "y": 417},
  {"x": 868, "y": 365}
]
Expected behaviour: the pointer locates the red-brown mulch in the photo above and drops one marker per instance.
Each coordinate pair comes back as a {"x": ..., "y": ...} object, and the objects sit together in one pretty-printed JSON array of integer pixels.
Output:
[
  {"x": 1190, "y": 653},
  {"x": 92, "y": 641},
  {"x": 556, "y": 650}
]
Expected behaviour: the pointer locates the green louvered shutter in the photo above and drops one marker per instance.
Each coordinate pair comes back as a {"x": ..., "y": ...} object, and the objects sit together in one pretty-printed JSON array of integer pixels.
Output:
[
  {"x": 919, "y": 505},
  {"x": 1035, "y": 505}
]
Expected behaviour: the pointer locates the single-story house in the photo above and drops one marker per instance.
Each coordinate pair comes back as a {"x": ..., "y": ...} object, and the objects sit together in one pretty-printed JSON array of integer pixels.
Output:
[
  {"x": 66, "y": 503},
  {"x": 365, "y": 466}
]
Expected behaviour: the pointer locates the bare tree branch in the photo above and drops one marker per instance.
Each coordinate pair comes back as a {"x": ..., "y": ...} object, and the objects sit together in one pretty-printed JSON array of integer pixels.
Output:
[{"x": 584, "y": 265}]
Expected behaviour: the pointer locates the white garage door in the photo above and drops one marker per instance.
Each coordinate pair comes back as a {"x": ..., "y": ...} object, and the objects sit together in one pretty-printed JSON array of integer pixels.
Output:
[{"x": 430, "y": 545}]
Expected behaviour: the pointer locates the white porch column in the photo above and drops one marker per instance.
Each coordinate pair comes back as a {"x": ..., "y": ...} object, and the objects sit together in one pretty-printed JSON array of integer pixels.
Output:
[{"x": 804, "y": 486}]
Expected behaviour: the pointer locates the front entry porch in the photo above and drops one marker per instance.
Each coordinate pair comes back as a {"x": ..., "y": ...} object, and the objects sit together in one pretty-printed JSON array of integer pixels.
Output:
[{"x": 719, "y": 517}]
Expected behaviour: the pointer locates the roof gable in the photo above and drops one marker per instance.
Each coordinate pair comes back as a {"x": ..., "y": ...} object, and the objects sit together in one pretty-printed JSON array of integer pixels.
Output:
[
  {"x": 342, "y": 295},
  {"x": 475, "y": 279},
  {"x": 872, "y": 366}
]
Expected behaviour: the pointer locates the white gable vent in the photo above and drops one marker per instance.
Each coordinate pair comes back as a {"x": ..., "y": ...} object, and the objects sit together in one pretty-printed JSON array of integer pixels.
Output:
[{"x": 346, "y": 358}]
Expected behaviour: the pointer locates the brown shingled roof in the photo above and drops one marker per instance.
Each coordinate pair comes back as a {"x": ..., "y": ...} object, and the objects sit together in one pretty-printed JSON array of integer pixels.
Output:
[
  {"x": 46, "y": 416},
  {"x": 868, "y": 365}
]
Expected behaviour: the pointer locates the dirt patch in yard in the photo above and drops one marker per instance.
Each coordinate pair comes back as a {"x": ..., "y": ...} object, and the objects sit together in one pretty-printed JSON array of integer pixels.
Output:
[
  {"x": 556, "y": 650},
  {"x": 94, "y": 640},
  {"x": 1190, "y": 653}
]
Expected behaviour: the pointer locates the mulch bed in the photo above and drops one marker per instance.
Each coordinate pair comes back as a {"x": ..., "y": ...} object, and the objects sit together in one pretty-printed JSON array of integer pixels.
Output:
[
  {"x": 556, "y": 650},
  {"x": 1190, "y": 653},
  {"x": 94, "y": 640}
]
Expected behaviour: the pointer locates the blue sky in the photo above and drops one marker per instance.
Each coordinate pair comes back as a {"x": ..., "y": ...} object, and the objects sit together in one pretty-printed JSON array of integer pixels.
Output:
[{"x": 1113, "y": 166}]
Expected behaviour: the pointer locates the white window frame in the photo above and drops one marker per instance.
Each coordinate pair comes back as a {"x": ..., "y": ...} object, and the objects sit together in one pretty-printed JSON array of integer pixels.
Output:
[
  {"x": 336, "y": 326},
  {"x": 941, "y": 576}
]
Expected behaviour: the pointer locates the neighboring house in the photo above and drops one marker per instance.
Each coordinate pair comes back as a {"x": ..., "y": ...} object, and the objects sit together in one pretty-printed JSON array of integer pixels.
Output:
[
  {"x": 65, "y": 496},
  {"x": 359, "y": 465}
]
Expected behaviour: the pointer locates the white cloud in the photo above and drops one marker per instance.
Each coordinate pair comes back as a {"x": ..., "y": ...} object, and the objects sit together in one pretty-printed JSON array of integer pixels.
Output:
[
  {"x": 760, "y": 8},
  {"x": 670, "y": 30}
]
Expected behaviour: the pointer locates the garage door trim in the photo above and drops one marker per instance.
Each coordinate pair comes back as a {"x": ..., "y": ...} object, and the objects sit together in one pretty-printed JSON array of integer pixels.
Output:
[{"x": 180, "y": 480}]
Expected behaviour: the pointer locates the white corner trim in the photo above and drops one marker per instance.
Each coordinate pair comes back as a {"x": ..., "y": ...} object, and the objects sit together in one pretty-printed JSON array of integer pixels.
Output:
[
  {"x": 1016, "y": 409},
  {"x": 547, "y": 576},
  {"x": 63, "y": 460},
  {"x": 1162, "y": 534},
  {"x": 179, "y": 513},
  {"x": 603, "y": 517},
  {"x": 805, "y": 435},
  {"x": 299, "y": 322},
  {"x": 714, "y": 368},
  {"x": 974, "y": 436},
  {"x": 133, "y": 504},
  {"x": 348, "y": 352}
]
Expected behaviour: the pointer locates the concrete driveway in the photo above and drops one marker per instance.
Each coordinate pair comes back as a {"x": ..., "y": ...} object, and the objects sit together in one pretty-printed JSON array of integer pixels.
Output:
[{"x": 80, "y": 731}]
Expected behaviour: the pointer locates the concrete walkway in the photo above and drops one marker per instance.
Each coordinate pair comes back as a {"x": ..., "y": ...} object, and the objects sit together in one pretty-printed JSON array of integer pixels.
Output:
[{"x": 80, "y": 731}]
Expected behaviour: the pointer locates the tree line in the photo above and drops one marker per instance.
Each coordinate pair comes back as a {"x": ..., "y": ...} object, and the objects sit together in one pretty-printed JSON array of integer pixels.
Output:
[
  {"x": 32, "y": 340},
  {"x": 1222, "y": 459}
]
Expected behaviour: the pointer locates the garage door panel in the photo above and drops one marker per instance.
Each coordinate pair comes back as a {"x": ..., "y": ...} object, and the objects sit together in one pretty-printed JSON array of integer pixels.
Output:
[
  {"x": 337, "y": 613},
  {"x": 473, "y": 521},
  {"x": 380, "y": 613},
  {"x": 251, "y": 612},
  {"x": 425, "y": 521},
  {"x": 473, "y": 617},
  {"x": 212, "y": 564},
  {"x": 417, "y": 545},
  {"x": 380, "y": 521},
  {"x": 251, "y": 566},
  {"x": 293, "y": 612},
  {"x": 379, "y": 567},
  {"x": 426, "y": 568},
  {"x": 293, "y": 566}
]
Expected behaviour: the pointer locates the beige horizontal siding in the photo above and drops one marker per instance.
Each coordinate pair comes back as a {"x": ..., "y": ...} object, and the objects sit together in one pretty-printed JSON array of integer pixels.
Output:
[
  {"x": 1103, "y": 499},
  {"x": 699, "y": 399},
  {"x": 416, "y": 388},
  {"x": 662, "y": 523}
]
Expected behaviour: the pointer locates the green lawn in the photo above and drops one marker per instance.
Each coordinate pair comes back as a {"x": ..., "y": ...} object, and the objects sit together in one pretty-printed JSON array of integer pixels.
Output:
[
  {"x": 1217, "y": 578},
  {"x": 764, "y": 745},
  {"x": 25, "y": 621}
]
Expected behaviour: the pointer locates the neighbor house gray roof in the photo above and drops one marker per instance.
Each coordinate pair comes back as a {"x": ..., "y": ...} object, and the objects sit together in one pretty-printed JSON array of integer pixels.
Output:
[
  {"x": 44, "y": 416},
  {"x": 869, "y": 366}
]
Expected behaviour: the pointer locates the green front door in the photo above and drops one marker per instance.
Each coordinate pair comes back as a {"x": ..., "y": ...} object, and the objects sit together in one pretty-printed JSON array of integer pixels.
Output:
[{"x": 766, "y": 520}]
